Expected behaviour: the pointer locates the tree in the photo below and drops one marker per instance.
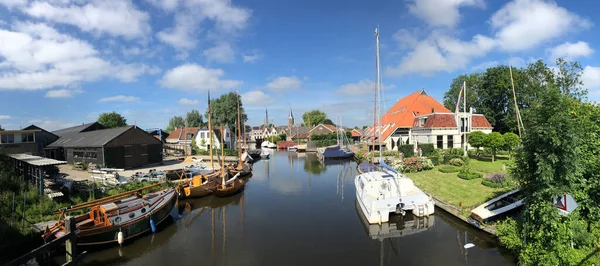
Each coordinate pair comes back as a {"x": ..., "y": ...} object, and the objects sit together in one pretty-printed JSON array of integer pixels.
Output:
[
  {"x": 1, "y": 129},
  {"x": 112, "y": 120},
  {"x": 568, "y": 78},
  {"x": 511, "y": 141},
  {"x": 477, "y": 140},
  {"x": 365, "y": 127},
  {"x": 316, "y": 117},
  {"x": 195, "y": 148},
  {"x": 494, "y": 141},
  {"x": 473, "y": 82},
  {"x": 328, "y": 121},
  {"x": 224, "y": 110},
  {"x": 175, "y": 122},
  {"x": 194, "y": 119}
]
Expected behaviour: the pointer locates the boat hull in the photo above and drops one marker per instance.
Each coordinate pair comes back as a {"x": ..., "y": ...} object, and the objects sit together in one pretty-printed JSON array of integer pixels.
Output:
[
  {"x": 334, "y": 152},
  {"x": 232, "y": 189},
  {"x": 108, "y": 235}
]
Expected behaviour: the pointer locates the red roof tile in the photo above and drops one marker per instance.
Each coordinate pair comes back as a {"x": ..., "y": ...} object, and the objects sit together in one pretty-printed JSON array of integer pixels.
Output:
[
  {"x": 479, "y": 121},
  {"x": 437, "y": 121},
  {"x": 177, "y": 133}
]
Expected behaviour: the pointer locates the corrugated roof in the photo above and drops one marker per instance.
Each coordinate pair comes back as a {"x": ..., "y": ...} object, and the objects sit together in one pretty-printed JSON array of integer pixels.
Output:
[
  {"x": 479, "y": 121},
  {"x": 72, "y": 130},
  {"x": 95, "y": 138},
  {"x": 35, "y": 160}
]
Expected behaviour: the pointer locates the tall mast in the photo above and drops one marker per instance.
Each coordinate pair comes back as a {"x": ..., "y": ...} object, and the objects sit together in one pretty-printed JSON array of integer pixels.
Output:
[
  {"x": 378, "y": 95},
  {"x": 210, "y": 134},
  {"x": 466, "y": 116},
  {"x": 239, "y": 132},
  {"x": 223, "y": 170}
]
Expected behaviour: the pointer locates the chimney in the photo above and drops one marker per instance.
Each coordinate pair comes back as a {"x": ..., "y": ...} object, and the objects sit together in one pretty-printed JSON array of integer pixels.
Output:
[{"x": 432, "y": 110}]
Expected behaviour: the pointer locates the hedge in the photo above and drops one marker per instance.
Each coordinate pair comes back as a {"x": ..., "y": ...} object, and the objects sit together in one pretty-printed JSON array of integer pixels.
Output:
[
  {"x": 435, "y": 160},
  {"x": 427, "y": 149},
  {"x": 449, "y": 169},
  {"x": 408, "y": 150},
  {"x": 228, "y": 152},
  {"x": 469, "y": 175},
  {"x": 492, "y": 184},
  {"x": 449, "y": 157},
  {"x": 324, "y": 143}
]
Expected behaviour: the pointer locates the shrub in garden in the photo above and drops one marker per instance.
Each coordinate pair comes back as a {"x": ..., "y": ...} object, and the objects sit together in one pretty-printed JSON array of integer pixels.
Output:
[
  {"x": 469, "y": 175},
  {"x": 496, "y": 180},
  {"x": 448, "y": 169},
  {"x": 416, "y": 164},
  {"x": 434, "y": 160},
  {"x": 427, "y": 149},
  {"x": 390, "y": 153},
  {"x": 407, "y": 150},
  {"x": 398, "y": 165},
  {"x": 457, "y": 162}
]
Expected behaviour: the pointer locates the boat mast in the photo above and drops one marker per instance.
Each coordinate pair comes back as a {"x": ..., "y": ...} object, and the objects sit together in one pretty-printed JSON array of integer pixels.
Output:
[
  {"x": 210, "y": 133},
  {"x": 378, "y": 95},
  {"x": 223, "y": 156},
  {"x": 239, "y": 133}
]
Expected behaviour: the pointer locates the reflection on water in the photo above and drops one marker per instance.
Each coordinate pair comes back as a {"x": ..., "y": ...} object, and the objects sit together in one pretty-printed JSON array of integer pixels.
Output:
[{"x": 297, "y": 210}]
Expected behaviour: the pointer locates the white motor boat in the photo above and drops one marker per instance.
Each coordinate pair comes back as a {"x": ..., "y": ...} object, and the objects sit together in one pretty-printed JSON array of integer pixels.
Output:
[
  {"x": 497, "y": 207},
  {"x": 265, "y": 144},
  {"x": 265, "y": 154},
  {"x": 380, "y": 193}
]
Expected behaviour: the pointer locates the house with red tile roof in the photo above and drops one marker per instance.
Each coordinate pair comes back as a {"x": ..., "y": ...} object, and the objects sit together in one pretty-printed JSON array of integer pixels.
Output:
[{"x": 419, "y": 118}]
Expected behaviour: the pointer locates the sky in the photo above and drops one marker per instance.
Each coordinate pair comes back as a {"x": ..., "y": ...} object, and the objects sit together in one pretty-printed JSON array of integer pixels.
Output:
[{"x": 63, "y": 62}]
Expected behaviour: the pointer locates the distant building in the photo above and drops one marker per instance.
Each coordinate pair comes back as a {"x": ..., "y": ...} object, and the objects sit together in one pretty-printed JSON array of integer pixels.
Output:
[
  {"x": 121, "y": 147},
  {"x": 203, "y": 138},
  {"x": 323, "y": 129},
  {"x": 356, "y": 133},
  {"x": 158, "y": 134},
  {"x": 418, "y": 118},
  {"x": 31, "y": 140}
]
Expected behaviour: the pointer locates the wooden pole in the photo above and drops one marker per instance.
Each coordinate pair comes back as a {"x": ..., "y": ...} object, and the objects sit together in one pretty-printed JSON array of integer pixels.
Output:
[
  {"x": 239, "y": 134},
  {"x": 71, "y": 243},
  {"x": 515, "y": 99},
  {"x": 210, "y": 134}
]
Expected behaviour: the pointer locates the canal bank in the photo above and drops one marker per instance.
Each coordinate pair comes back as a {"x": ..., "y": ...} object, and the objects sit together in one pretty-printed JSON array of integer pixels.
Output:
[{"x": 297, "y": 210}]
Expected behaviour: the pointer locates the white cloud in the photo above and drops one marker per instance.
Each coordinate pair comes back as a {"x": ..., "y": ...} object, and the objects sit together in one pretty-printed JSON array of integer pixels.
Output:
[
  {"x": 441, "y": 53},
  {"x": 181, "y": 36},
  {"x": 119, "y": 98},
  {"x": 362, "y": 87},
  {"x": 192, "y": 77},
  {"x": 284, "y": 83},
  {"x": 516, "y": 61},
  {"x": 4, "y": 117},
  {"x": 221, "y": 53},
  {"x": 186, "y": 101},
  {"x": 524, "y": 24},
  {"x": 252, "y": 57},
  {"x": 113, "y": 17},
  {"x": 256, "y": 98},
  {"x": 62, "y": 93},
  {"x": 440, "y": 13},
  {"x": 51, "y": 125},
  {"x": 591, "y": 77},
  {"x": 485, "y": 65},
  {"x": 570, "y": 51},
  {"x": 39, "y": 57}
]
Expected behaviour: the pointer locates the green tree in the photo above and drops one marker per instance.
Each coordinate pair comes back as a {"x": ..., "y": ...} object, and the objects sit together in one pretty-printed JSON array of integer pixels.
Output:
[
  {"x": 494, "y": 141},
  {"x": 175, "y": 122},
  {"x": 112, "y": 120},
  {"x": 316, "y": 117},
  {"x": 511, "y": 141},
  {"x": 195, "y": 148},
  {"x": 194, "y": 119},
  {"x": 477, "y": 140},
  {"x": 473, "y": 82},
  {"x": 568, "y": 78},
  {"x": 224, "y": 110},
  {"x": 1, "y": 129},
  {"x": 282, "y": 137},
  {"x": 328, "y": 121},
  {"x": 365, "y": 127}
]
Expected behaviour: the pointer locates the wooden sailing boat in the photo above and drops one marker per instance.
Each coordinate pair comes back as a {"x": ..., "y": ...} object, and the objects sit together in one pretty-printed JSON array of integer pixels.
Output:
[
  {"x": 117, "y": 218},
  {"x": 201, "y": 184},
  {"x": 242, "y": 169},
  {"x": 230, "y": 186}
]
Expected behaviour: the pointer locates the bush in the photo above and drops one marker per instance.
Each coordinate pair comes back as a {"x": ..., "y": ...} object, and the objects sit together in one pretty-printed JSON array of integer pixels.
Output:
[
  {"x": 398, "y": 165},
  {"x": 510, "y": 235},
  {"x": 427, "y": 149},
  {"x": 469, "y": 175},
  {"x": 434, "y": 160},
  {"x": 457, "y": 162},
  {"x": 449, "y": 157},
  {"x": 496, "y": 180},
  {"x": 228, "y": 152},
  {"x": 390, "y": 153},
  {"x": 416, "y": 164},
  {"x": 454, "y": 151},
  {"x": 325, "y": 142},
  {"x": 408, "y": 150},
  {"x": 449, "y": 169}
]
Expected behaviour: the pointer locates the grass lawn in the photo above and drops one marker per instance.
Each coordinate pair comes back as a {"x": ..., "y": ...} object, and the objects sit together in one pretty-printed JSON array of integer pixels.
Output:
[{"x": 454, "y": 190}]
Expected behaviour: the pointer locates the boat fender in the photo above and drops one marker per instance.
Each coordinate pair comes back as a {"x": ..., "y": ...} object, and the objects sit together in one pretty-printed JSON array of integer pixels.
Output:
[
  {"x": 152, "y": 226},
  {"x": 120, "y": 237}
]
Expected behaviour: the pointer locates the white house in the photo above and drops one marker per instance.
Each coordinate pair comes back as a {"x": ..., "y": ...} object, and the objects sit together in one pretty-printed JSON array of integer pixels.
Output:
[{"x": 203, "y": 138}]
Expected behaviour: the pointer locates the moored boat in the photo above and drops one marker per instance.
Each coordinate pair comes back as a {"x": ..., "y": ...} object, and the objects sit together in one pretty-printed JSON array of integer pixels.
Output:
[
  {"x": 334, "y": 152},
  {"x": 230, "y": 187},
  {"x": 265, "y": 154},
  {"x": 497, "y": 207},
  {"x": 199, "y": 186},
  {"x": 255, "y": 154},
  {"x": 114, "y": 218},
  {"x": 243, "y": 170},
  {"x": 366, "y": 167}
]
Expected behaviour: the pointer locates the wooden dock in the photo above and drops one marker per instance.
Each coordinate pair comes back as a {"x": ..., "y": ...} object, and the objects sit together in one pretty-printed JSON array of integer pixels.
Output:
[{"x": 455, "y": 211}]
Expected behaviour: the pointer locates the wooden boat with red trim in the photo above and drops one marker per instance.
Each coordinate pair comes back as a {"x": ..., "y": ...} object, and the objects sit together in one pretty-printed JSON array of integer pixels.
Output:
[
  {"x": 230, "y": 187},
  {"x": 128, "y": 213}
]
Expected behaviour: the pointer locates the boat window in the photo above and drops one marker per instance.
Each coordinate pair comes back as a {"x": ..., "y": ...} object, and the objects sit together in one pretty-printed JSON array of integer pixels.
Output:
[
  {"x": 131, "y": 215},
  {"x": 143, "y": 210},
  {"x": 117, "y": 220}
]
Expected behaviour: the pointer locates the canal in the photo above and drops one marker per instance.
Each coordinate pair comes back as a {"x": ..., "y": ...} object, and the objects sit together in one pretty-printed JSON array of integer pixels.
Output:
[{"x": 296, "y": 210}]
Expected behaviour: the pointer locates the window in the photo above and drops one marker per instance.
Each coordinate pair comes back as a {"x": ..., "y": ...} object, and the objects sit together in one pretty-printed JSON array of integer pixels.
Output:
[
  {"x": 144, "y": 149},
  {"x": 26, "y": 137},
  {"x": 440, "y": 142},
  {"x": 190, "y": 136},
  {"x": 127, "y": 151},
  {"x": 85, "y": 154},
  {"x": 201, "y": 134},
  {"x": 8, "y": 138},
  {"x": 450, "y": 141},
  {"x": 227, "y": 135}
]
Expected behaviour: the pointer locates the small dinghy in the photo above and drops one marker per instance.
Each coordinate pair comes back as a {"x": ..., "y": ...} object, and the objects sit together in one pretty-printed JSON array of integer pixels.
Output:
[{"x": 497, "y": 207}]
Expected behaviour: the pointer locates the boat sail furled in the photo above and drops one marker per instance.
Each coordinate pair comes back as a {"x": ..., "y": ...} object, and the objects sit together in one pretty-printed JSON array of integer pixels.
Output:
[{"x": 384, "y": 190}]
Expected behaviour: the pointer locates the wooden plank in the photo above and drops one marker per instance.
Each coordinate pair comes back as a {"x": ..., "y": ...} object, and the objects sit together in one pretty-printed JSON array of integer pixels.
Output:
[{"x": 71, "y": 243}]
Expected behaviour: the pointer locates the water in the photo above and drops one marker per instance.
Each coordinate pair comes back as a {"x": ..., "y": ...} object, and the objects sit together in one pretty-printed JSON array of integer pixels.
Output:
[{"x": 296, "y": 210}]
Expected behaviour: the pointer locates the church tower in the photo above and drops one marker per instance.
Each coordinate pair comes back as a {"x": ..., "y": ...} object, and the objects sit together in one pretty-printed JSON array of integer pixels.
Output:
[{"x": 290, "y": 125}]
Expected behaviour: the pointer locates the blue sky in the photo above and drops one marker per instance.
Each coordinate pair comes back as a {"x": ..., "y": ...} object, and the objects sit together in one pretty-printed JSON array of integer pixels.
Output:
[{"x": 62, "y": 62}]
